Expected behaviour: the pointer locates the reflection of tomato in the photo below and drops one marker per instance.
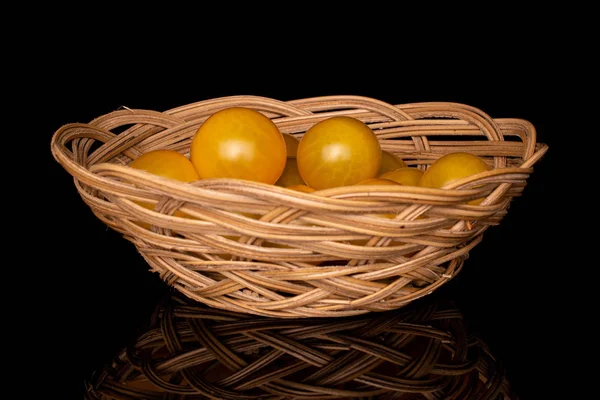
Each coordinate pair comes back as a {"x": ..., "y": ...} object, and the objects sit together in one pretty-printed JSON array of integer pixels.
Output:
[
  {"x": 240, "y": 143},
  {"x": 168, "y": 164},
  {"x": 338, "y": 151},
  {"x": 390, "y": 162}
]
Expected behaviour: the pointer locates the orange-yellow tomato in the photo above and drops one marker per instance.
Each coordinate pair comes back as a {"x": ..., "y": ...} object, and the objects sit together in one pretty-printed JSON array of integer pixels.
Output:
[
  {"x": 390, "y": 162},
  {"x": 407, "y": 176},
  {"x": 301, "y": 188},
  {"x": 376, "y": 181},
  {"x": 379, "y": 181},
  {"x": 240, "y": 143},
  {"x": 291, "y": 175},
  {"x": 451, "y": 167},
  {"x": 168, "y": 164},
  {"x": 338, "y": 151},
  {"x": 291, "y": 143}
]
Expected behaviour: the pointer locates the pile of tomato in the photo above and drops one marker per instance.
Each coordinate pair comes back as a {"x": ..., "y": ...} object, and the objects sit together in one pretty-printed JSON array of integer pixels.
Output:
[{"x": 243, "y": 143}]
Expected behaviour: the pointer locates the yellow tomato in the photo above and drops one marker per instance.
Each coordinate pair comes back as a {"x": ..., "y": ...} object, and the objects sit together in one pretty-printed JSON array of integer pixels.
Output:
[
  {"x": 301, "y": 188},
  {"x": 451, "y": 167},
  {"x": 390, "y": 162},
  {"x": 291, "y": 175},
  {"x": 291, "y": 144},
  {"x": 338, "y": 151},
  {"x": 378, "y": 181},
  {"x": 407, "y": 176},
  {"x": 168, "y": 164},
  {"x": 240, "y": 143}
]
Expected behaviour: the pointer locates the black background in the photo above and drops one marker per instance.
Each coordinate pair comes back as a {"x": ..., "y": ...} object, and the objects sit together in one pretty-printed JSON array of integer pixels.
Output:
[{"x": 103, "y": 288}]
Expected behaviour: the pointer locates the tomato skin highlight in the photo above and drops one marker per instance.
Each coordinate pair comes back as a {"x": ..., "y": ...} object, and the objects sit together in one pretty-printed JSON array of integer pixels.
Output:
[
  {"x": 239, "y": 143},
  {"x": 338, "y": 151}
]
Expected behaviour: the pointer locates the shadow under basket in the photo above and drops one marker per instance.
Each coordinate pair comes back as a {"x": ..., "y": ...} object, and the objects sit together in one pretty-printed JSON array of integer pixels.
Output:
[
  {"x": 261, "y": 249},
  {"x": 193, "y": 351}
]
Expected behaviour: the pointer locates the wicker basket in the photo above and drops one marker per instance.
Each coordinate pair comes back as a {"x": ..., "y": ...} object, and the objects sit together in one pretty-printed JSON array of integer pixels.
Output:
[
  {"x": 424, "y": 352},
  {"x": 309, "y": 254}
]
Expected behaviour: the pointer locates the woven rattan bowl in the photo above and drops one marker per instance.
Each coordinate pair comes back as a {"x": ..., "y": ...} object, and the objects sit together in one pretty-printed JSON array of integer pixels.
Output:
[
  {"x": 332, "y": 256},
  {"x": 424, "y": 352}
]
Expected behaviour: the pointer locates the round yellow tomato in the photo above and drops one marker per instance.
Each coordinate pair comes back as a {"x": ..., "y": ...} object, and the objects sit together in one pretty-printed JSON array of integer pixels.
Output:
[
  {"x": 301, "y": 188},
  {"x": 338, "y": 151},
  {"x": 240, "y": 143},
  {"x": 390, "y": 162},
  {"x": 291, "y": 144},
  {"x": 290, "y": 175},
  {"x": 407, "y": 176},
  {"x": 168, "y": 164},
  {"x": 378, "y": 181},
  {"x": 451, "y": 167}
]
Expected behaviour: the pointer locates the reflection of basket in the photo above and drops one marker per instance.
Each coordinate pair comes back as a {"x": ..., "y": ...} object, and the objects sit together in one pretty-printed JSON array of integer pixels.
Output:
[
  {"x": 308, "y": 255},
  {"x": 423, "y": 352}
]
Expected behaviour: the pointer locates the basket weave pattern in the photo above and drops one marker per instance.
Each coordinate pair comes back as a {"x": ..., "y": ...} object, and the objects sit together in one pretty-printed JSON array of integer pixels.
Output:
[
  {"x": 321, "y": 254},
  {"x": 196, "y": 351}
]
